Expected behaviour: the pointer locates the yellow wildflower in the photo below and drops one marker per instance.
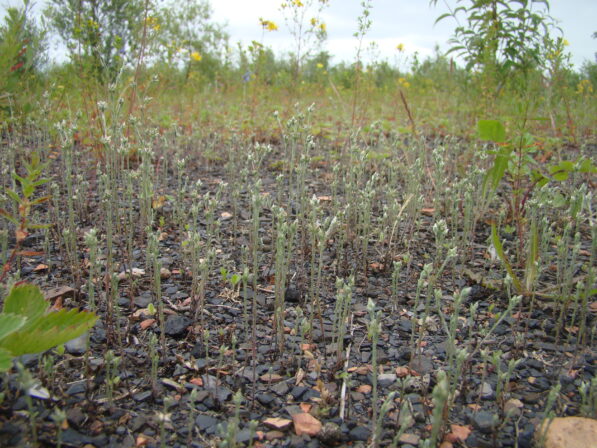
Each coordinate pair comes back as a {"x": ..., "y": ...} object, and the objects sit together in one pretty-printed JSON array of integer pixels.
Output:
[
  {"x": 319, "y": 65},
  {"x": 298, "y": 3},
  {"x": 404, "y": 83},
  {"x": 400, "y": 47},
  {"x": 584, "y": 86},
  {"x": 153, "y": 22},
  {"x": 313, "y": 21},
  {"x": 268, "y": 24},
  {"x": 322, "y": 27},
  {"x": 196, "y": 56},
  {"x": 565, "y": 42}
]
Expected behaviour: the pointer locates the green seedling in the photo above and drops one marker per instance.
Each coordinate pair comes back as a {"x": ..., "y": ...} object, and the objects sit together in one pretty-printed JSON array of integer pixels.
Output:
[
  {"x": 513, "y": 161},
  {"x": 23, "y": 203}
]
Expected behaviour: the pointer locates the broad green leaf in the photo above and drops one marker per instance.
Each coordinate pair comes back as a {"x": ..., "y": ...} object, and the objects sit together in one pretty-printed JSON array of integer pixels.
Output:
[
  {"x": 565, "y": 165},
  {"x": 496, "y": 172},
  {"x": 49, "y": 331},
  {"x": 586, "y": 166},
  {"x": 10, "y": 323},
  {"x": 539, "y": 179},
  {"x": 491, "y": 130},
  {"x": 26, "y": 300},
  {"x": 5, "y": 360},
  {"x": 561, "y": 175}
]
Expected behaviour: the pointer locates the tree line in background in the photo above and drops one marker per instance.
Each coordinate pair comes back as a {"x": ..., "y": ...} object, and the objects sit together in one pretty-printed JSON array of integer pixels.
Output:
[{"x": 504, "y": 44}]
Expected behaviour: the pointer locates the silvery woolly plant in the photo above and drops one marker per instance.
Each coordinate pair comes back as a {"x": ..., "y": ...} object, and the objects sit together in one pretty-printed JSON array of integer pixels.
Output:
[
  {"x": 285, "y": 235},
  {"x": 373, "y": 333},
  {"x": 456, "y": 357},
  {"x": 440, "y": 396},
  {"x": 343, "y": 305},
  {"x": 320, "y": 231}
]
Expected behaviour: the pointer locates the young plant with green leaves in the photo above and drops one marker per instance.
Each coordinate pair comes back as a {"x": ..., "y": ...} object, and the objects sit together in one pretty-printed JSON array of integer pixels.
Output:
[
  {"x": 514, "y": 163},
  {"x": 28, "y": 325},
  {"x": 374, "y": 327},
  {"x": 22, "y": 204}
]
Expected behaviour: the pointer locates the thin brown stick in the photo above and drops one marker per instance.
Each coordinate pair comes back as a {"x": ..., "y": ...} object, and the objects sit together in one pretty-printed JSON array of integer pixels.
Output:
[{"x": 410, "y": 116}]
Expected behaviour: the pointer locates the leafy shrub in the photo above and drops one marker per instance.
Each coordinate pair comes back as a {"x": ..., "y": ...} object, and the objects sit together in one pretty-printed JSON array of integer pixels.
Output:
[{"x": 23, "y": 48}]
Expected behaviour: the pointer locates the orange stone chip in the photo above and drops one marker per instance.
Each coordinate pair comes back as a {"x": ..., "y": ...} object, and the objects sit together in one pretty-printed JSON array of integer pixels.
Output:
[
  {"x": 277, "y": 423},
  {"x": 306, "y": 424},
  {"x": 271, "y": 377},
  {"x": 142, "y": 440},
  {"x": 147, "y": 323},
  {"x": 197, "y": 381},
  {"x": 361, "y": 370},
  {"x": 305, "y": 407},
  {"x": 457, "y": 433},
  {"x": 401, "y": 372},
  {"x": 364, "y": 388}
]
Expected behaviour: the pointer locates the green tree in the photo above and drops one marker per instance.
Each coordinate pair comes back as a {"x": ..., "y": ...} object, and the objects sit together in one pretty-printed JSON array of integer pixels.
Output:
[
  {"x": 188, "y": 37},
  {"x": 102, "y": 35},
  {"x": 589, "y": 71},
  {"x": 500, "y": 36},
  {"x": 24, "y": 50}
]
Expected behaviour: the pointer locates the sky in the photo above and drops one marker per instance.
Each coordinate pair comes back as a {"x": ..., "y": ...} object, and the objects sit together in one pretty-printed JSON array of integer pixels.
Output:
[{"x": 407, "y": 22}]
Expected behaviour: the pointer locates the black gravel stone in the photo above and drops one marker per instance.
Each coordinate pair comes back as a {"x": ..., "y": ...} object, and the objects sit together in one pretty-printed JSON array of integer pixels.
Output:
[
  {"x": 10, "y": 435},
  {"x": 176, "y": 325},
  {"x": 525, "y": 437},
  {"x": 245, "y": 436},
  {"x": 280, "y": 388},
  {"x": 360, "y": 433},
  {"x": 77, "y": 388},
  {"x": 143, "y": 300},
  {"x": 483, "y": 421},
  {"x": 542, "y": 383},
  {"x": 206, "y": 423},
  {"x": 298, "y": 391},
  {"x": 142, "y": 396},
  {"x": 75, "y": 438},
  {"x": 77, "y": 346},
  {"x": 292, "y": 294},
  {"x": 265, "y": 399}
]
